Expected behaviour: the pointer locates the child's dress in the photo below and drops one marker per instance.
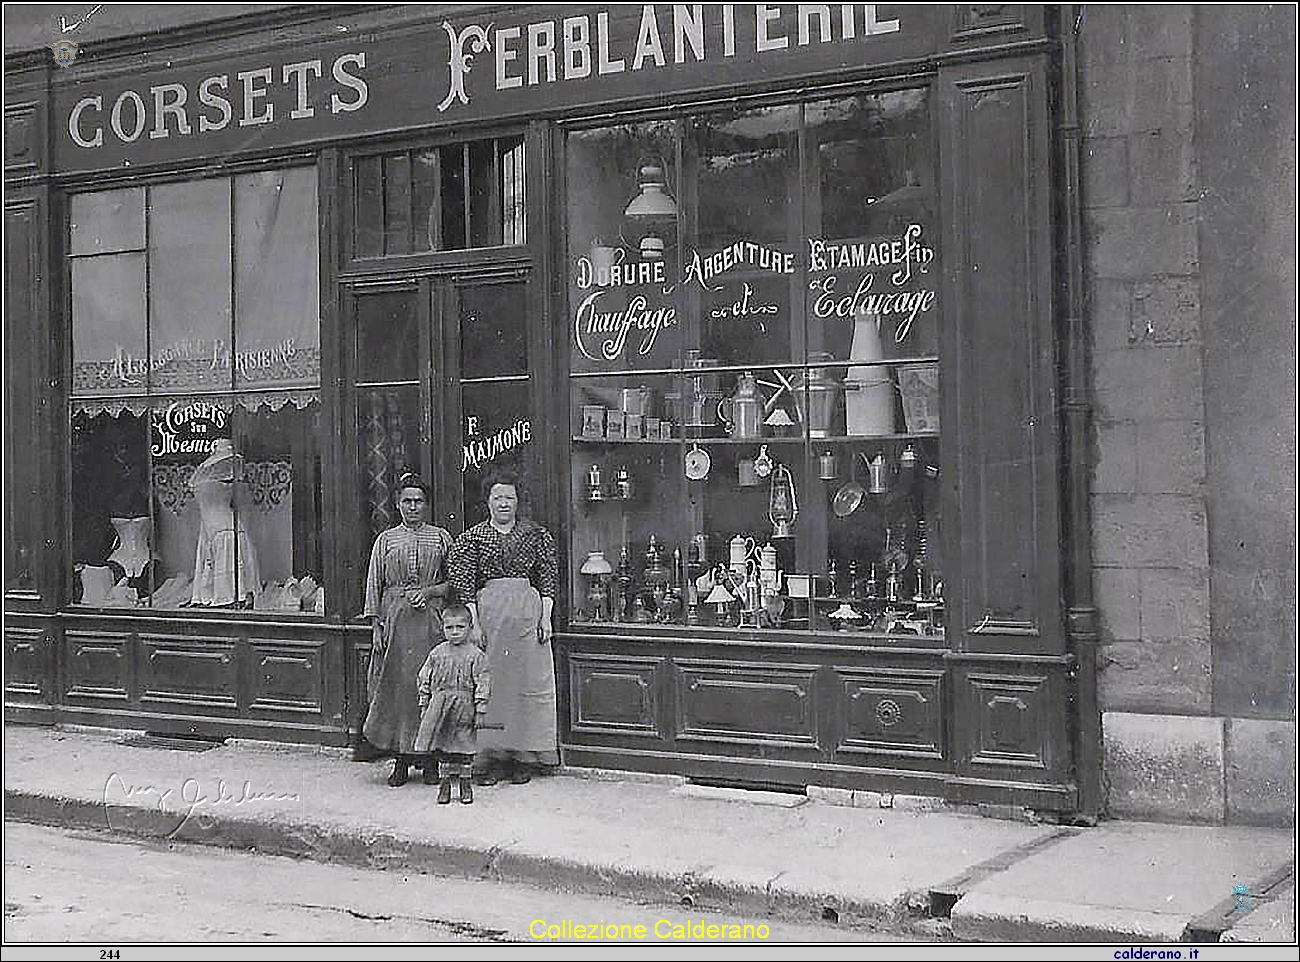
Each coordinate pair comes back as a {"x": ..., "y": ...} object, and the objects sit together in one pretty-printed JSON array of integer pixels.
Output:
[{"x": 454, "y": 684}]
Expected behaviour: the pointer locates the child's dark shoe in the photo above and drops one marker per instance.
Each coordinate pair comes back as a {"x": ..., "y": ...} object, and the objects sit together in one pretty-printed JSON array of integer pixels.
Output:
[
  {"x": 466, "y": 792},
  {"x": 444, "y": 791},
  {"x": 400, "y": 774}
]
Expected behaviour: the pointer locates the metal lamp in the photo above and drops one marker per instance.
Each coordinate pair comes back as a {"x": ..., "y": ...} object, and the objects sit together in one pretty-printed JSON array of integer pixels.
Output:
[{"x": 782, "y": 508}]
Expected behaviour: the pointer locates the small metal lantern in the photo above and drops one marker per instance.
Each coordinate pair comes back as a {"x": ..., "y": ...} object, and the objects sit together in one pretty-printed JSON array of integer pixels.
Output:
[
  {"x": 782, "y": 508},
  {"x": 623, "y": 485},
  {"x": 595, "y": 484}
]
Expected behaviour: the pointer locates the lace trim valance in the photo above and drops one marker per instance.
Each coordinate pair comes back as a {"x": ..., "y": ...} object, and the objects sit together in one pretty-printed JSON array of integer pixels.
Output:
[
  {"x": 268, "y": 484},
  {"x": 248, "y": 401},
  {"x": 253, "y": 369}
]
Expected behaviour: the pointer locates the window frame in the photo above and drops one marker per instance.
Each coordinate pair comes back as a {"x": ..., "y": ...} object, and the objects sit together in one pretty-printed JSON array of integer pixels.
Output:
[
  {"x": 683, "y": 115},
  {"x": 150, "y": 399},
  {"x": 351, "y": 262}
]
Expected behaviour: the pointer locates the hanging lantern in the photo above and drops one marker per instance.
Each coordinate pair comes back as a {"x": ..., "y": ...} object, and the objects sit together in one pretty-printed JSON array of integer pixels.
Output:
[{"x": 652, "y": 202}]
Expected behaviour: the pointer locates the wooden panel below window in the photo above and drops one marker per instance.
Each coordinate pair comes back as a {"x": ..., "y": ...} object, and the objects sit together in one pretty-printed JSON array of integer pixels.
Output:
[
  {"x": 1012, "y": 721},
  {"x": 614, "y": 694},
  {"x": 28, "y": 667},
  {"x": 98, "y": 666},
  {"x": 732, "y": 701},
  {"x": 189, "y": 670},
  {"x": 891, "y": 712},
  {"x": 286, "y": 678}
]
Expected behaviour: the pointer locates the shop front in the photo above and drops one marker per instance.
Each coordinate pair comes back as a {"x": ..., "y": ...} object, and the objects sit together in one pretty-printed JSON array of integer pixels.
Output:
[{"x": 769, "y": 306}]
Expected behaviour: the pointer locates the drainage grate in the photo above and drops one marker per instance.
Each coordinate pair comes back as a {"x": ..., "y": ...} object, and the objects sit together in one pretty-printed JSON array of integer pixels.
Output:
[{"x": 174, "y": 743}]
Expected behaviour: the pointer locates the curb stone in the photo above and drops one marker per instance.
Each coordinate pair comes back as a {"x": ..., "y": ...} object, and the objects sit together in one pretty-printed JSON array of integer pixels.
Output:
[{"x": 701, "y": 887}]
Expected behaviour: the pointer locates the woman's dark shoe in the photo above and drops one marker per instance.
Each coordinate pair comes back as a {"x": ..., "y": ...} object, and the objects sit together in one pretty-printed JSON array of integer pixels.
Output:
[
  {"x": 363, "y": 751},
  {"x": 444, "y": 791},
  {"x": 466, "y": 793},
  {"x": 519, "y": 775},
  {"x": 400, "y": 774},
  {"x": 486, "y": 777},
  {"x": 430, "y": 774}
]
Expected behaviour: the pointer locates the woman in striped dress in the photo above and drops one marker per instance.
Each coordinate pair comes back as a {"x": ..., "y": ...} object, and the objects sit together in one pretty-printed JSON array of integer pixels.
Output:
[{"x": 405, "y": 590}]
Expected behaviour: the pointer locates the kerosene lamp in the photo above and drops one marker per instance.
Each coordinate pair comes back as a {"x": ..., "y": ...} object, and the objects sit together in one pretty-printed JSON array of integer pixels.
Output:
[
  {"x": 720, "y": 599},
  {"x": 597, "y": 569},
  {"x": 782, "y": 508},
  {"x": 623, "y": 578},
  {"x": 656, "y": 576}
]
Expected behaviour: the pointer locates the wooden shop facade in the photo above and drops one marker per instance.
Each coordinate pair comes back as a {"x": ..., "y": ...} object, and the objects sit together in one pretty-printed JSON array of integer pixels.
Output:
[{"x": 773, "y": 307}]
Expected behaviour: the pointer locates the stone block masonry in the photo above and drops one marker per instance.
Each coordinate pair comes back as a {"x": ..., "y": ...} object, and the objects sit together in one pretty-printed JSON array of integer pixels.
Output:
[{"x": 1187, "y": 175}]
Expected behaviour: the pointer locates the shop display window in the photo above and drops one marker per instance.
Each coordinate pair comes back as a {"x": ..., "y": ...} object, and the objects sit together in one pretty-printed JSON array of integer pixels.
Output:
[
  {"x": 754, "y": 376},
  {"x": 195, "y": 408}
]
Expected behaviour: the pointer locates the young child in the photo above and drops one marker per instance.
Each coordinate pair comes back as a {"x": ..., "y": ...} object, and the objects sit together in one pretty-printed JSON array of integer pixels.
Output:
[{"x": 454, "y": 685}]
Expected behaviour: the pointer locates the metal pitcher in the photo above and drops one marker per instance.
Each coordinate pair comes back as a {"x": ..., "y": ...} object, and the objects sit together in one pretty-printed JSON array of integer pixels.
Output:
[{"x": 742, "y": 412}]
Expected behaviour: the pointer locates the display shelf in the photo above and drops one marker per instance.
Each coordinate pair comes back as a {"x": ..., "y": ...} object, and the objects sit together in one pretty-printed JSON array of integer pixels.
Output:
[
  {"x": 873, "y": 438},
  {"x": 738, "y": 368},
  {"x": 882, "y": 602},
  {"x": 666, "y": 442},
  {"x": 798, "y": 439}
]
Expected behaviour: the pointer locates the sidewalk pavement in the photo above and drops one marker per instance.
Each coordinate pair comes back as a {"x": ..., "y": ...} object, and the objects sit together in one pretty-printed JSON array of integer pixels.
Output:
[{"x": 919, "y": 868}]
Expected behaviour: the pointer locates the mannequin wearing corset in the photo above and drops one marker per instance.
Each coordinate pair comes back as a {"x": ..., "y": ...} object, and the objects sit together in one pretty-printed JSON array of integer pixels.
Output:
[
  {"x": 225, "y": 561},
  {"x": 134, "y": 552}
]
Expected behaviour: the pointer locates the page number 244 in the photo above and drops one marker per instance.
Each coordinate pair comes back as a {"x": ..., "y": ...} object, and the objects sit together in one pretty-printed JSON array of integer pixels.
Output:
[{"x": 115, "y": 954}]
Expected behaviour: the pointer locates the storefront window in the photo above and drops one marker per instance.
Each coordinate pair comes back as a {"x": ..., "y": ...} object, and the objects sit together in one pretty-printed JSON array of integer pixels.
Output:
[
  {"x": 195, "y": 413},
  {"x": 754, "y": 370}
]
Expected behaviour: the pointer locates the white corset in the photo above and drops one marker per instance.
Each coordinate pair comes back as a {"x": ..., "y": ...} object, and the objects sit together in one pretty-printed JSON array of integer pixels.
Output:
[{"x": 133, "y": 549}]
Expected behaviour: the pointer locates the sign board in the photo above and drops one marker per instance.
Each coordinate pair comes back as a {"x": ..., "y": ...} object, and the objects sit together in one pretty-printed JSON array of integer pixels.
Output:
[{"x": 527, "y": 61}]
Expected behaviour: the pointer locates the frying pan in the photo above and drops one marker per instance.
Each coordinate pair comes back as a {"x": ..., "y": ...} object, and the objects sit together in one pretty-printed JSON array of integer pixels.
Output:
[{"x": 848, "y": 498}]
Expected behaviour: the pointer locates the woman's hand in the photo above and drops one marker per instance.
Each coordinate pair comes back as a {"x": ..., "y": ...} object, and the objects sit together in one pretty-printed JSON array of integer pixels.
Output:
[
  {"x": 416, "y": 597},
  {"x": 544, "y": 631}
]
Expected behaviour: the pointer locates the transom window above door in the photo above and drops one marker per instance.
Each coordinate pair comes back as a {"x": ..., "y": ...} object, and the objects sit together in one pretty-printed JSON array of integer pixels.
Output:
[{"x": 451, "y": 197}]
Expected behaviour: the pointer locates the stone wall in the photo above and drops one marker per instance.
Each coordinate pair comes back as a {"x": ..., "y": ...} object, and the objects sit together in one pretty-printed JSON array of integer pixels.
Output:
[{"x": 1174, "y": 746}]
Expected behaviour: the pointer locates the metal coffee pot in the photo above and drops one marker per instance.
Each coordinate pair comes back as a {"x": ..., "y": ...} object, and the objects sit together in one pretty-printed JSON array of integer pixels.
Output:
[
  {"x": 741, "y": 555},
  {"x": 742, "y": 412}
]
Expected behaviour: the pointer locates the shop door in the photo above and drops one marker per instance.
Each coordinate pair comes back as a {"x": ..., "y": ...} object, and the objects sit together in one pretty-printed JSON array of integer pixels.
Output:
[
  {"x": 436, "y": 380},
  {"x": 486, "y": 397}
]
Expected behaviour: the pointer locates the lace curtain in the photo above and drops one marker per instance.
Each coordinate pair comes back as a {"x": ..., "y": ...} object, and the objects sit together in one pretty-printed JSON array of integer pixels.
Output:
[{"x": 385, "y": 455}]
